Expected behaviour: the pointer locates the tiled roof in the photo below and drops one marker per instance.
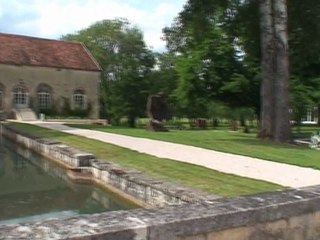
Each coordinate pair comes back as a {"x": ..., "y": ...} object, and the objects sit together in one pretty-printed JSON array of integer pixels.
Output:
[{"x": 31, "y": 51}]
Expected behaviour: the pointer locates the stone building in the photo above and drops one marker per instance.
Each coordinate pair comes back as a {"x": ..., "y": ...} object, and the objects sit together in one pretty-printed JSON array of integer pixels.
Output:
[{"x": 47, "y": 76}]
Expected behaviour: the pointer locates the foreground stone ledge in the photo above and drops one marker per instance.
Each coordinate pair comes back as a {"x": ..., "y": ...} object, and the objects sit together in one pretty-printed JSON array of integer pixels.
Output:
[{"x": 287, "y": 215}]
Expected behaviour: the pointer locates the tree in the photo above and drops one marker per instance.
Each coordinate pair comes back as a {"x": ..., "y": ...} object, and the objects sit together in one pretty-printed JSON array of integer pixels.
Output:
[
  {"x": 303, "y": 27},
  {"x": 191, "y": 92},
  {"x": 275, "y": 118},
  {"x": 282, "y": 115},
  {"x": 267, "y": 68},
  {"x": 257, "y": 58},
  {"x": 164, "y": 75},
  {"x": 209, "y": 63},
  {"x": 163, "y": 78},
  {"x": 126, "y": 62}
]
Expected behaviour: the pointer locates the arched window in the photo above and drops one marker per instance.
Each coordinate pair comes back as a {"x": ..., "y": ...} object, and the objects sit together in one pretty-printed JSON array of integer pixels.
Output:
[
  {"x": 79, "y": 99},
  {"x": 44, "y": 96}
]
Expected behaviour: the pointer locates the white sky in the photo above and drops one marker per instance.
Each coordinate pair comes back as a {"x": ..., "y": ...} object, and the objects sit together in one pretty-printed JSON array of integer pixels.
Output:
[{"x": 54, "y": 18}]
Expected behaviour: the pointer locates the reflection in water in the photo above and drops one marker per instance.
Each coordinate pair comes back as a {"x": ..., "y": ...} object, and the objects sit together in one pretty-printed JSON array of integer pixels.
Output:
[{"x": 32, "y": 188}]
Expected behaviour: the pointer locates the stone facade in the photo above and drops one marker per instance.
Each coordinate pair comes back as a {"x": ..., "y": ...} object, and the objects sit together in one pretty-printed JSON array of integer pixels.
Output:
[
  {"x": 61, "y": 85},
  {"x": 48, "y": 76}
]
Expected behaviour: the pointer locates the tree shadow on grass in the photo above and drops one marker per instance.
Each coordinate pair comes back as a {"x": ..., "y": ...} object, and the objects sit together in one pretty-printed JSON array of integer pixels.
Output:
[{"x": 263, "y": 143}]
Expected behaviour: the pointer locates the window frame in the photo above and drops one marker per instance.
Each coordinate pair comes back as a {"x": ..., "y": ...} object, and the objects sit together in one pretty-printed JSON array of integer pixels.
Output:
[
  {"x": 20, "y": 96},
  {"x": 79, "y": 99},
  {"x": 44, "y": 96}
]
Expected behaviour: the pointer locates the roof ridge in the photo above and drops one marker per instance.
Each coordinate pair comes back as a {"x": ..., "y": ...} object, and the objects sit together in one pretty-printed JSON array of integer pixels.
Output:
[{"x": 39, "y": 38}]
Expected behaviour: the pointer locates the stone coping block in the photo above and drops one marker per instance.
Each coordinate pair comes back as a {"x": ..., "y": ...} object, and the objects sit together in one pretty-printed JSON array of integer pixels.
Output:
[
  {"x": 181, "y": 193},
  {"x": 47, "y": 141},
  {"x": 82, "y": 159},
  {"x": 174, "y": 222}
]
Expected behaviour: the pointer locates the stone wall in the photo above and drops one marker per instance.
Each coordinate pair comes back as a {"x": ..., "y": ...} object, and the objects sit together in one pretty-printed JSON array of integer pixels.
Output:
[
  {"x": 287, "y": 215},
  {"x": 62, "y": 81},
  {"x": 130, "y": 183}
]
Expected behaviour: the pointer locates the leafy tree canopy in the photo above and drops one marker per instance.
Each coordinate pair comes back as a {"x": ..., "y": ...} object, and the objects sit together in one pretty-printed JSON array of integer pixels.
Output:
[
  {"x": 209, "y": 62},
  {"x": 126, "y": 62}
]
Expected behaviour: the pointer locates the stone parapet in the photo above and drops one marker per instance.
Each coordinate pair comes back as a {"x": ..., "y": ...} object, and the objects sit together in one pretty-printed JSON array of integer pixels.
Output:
[{"x": 286, "y": 215}]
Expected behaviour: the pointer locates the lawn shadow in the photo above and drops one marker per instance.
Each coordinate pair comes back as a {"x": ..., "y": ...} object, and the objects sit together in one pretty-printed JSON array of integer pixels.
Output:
[{"x": 263, "y": 143}]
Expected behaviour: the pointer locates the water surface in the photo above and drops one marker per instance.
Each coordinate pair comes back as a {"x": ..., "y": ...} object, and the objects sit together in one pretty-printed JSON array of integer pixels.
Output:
[{"x": 33, "y": 188}]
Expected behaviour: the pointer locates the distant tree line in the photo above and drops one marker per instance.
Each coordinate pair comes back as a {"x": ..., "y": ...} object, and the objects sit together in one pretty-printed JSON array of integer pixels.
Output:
[{"x": 234, "y": 54}]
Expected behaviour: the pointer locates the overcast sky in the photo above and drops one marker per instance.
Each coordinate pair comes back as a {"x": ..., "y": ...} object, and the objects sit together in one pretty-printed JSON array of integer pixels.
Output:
[{"x": 54, "y": 18}]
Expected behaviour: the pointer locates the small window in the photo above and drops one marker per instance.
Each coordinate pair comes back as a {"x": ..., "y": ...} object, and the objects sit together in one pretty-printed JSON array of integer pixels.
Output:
[{"x": 79, "y": 99}]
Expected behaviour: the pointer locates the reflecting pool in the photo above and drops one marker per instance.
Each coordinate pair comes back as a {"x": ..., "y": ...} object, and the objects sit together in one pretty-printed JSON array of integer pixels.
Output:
[{"x": 33, "y": 188}]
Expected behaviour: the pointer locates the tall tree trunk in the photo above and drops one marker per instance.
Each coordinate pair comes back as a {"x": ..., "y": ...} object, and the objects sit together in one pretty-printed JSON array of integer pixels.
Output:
[
  {"x": 267, "y": 64},
  {"x": 282, "y": 115}
]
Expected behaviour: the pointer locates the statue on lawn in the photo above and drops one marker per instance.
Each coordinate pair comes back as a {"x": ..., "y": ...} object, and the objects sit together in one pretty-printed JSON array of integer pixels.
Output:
[{"x": 158, "y": 110}]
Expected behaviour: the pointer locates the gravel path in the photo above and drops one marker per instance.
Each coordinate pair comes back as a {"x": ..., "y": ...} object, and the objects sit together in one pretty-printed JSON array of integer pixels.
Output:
[{"x": 279, "y": 173}]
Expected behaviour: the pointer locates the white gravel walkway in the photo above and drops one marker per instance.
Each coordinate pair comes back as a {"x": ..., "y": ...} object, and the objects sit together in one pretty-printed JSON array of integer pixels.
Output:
[{"x": 282, "y": 174}]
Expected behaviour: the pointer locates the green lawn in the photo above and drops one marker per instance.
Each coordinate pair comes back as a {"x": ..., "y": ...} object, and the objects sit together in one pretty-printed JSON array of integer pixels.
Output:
[
  {"x": 192, "y": 175},
  {"x": 227, "y": 141},
  {"x": 305, "y": 131}
]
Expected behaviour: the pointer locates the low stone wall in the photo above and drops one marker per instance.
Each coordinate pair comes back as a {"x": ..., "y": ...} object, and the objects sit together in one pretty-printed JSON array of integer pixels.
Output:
[
  {"x": 55, "y": 150},
  {"x": 287, "y": 215},
  {"x": 153, "y": 192},
  {"x": 130, "y": 183},
  {"x": 292, "y": 214}
]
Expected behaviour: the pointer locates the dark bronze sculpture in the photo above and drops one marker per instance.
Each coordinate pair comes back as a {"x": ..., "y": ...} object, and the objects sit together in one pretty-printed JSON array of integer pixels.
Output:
[{"x": 158, "y": 110}]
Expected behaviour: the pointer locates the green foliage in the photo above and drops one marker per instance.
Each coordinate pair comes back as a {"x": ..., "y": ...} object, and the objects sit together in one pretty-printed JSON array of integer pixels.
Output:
[
  {"x": 217, "y": 110},
  {"x": 237, "y": 84},
  {"x": 66, "y": 108},
  {"x": 163, "y": 77},
  {"x": 48, "y": 111},
  {"x": 82, "y": 113},
  {"x": 301, "y": 99},
  {"x": 67, "y": 111},
  {"x": 214, "y": 56},
  {"x": 209, "y": 63},
  {"x": 217, "y": 49},
  {"x": 126, "y": 62},
  {"x": 191, "y": 92},
  {"x": 304, "y": 34}
]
